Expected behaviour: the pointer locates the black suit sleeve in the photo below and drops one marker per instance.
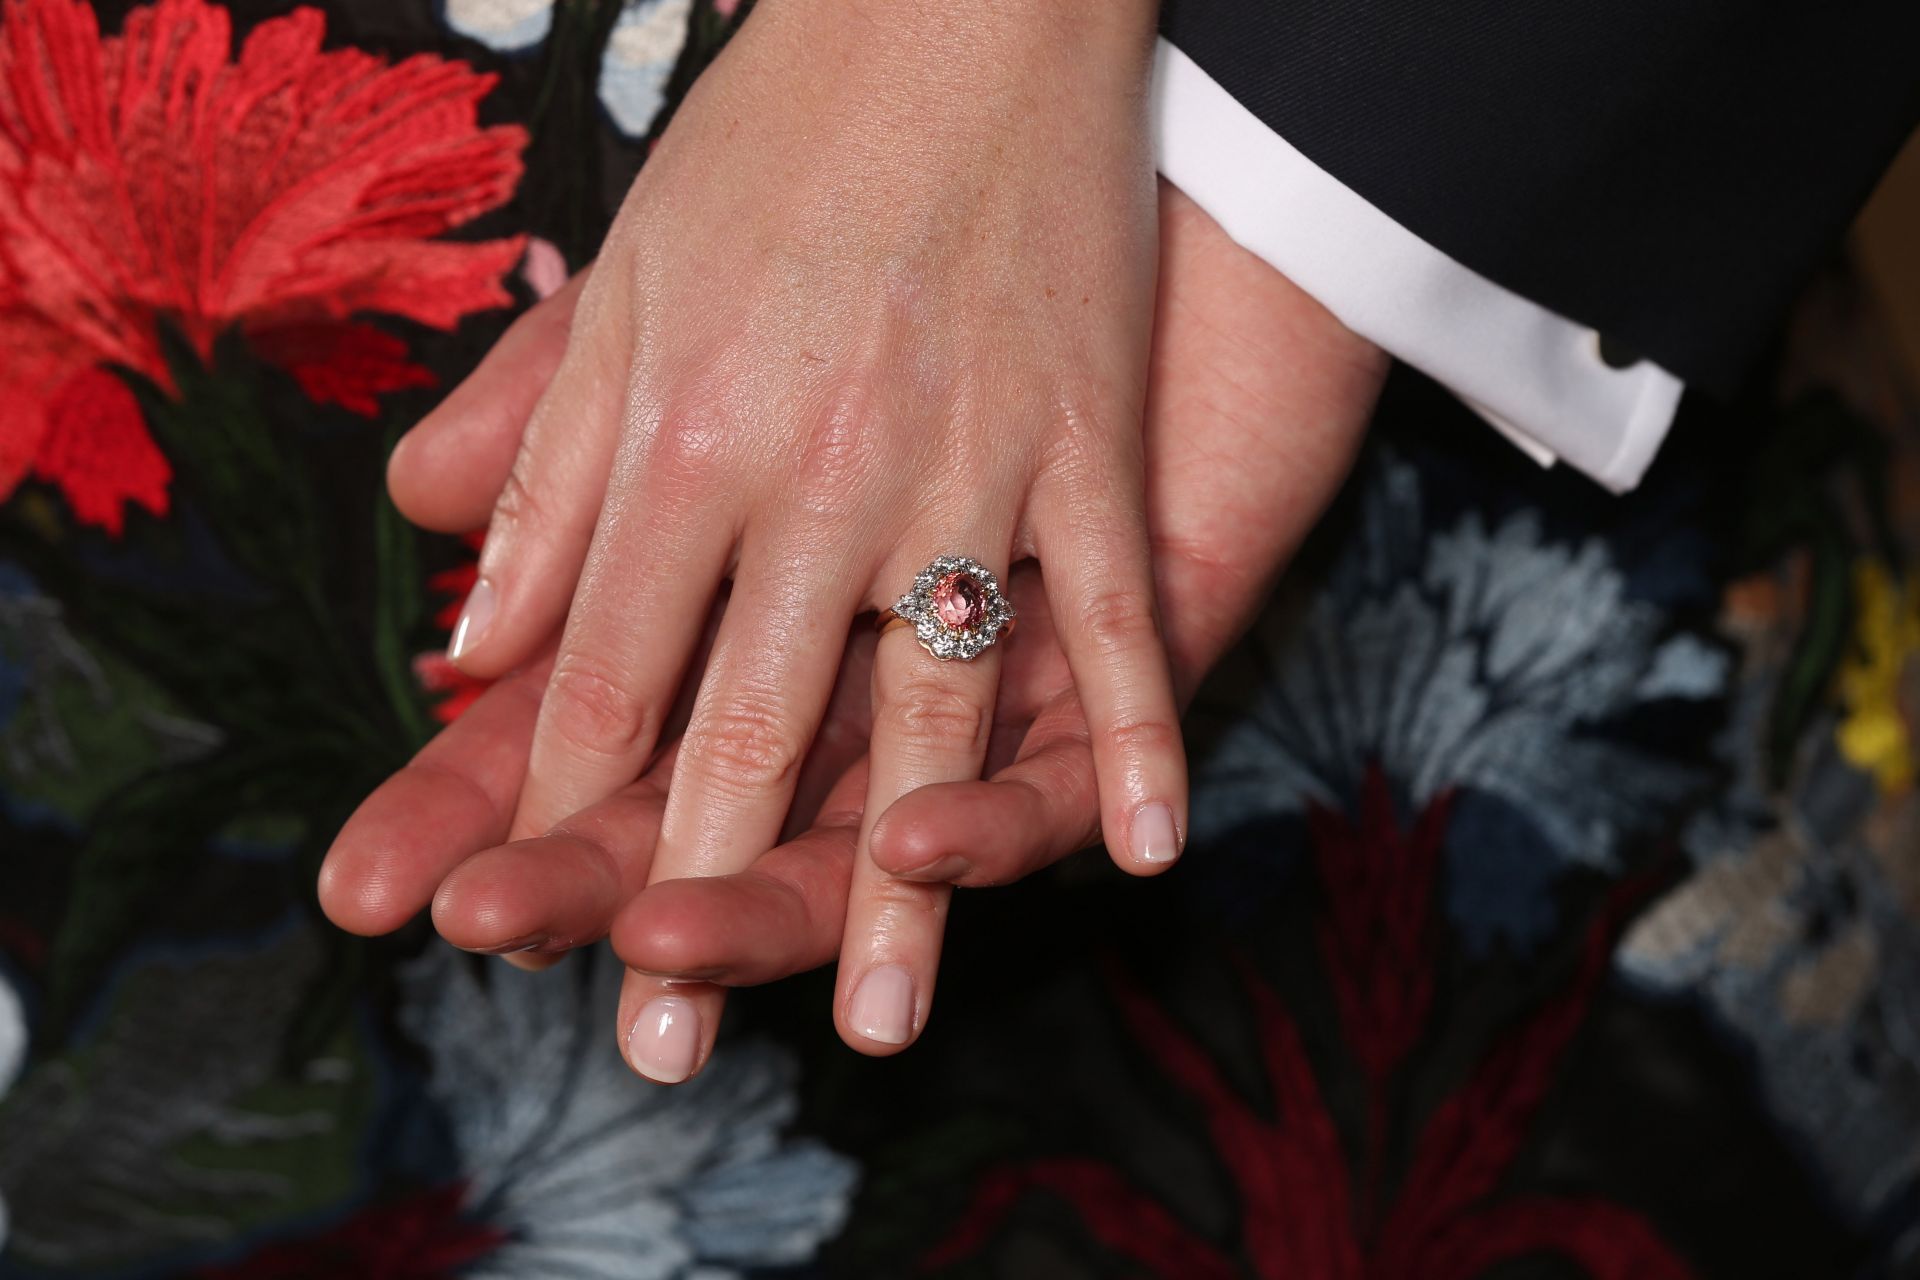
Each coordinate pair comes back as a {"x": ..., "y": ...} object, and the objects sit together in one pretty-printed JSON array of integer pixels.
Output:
[{"x": 1665, "y": 171}]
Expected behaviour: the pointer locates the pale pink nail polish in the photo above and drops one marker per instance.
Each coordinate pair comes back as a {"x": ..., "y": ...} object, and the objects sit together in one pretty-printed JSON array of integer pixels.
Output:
[
  {"x": 474, "y": 619},
  {"x": 882, "y": 1007},
  {"x": 665, "y": 1039},
  {"x": 1153, "y": 837}
]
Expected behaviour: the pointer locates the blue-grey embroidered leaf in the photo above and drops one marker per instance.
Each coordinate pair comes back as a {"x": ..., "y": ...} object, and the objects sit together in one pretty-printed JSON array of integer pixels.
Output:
[{"x": 593, "y": 1171}]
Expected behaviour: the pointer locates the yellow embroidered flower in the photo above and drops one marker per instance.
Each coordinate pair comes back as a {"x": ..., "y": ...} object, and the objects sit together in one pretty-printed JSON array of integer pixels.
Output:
[{"x": 1877, "y": 734}]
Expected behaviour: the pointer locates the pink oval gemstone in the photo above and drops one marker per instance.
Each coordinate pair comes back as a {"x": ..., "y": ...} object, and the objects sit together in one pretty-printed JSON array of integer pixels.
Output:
[{"x": 960, "y": 601}]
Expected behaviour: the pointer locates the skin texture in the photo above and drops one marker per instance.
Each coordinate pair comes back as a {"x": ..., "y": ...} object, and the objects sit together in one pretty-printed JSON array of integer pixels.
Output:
[
  {"x": 936, "y": 343},
  {"x": 1258, "y": 400}
]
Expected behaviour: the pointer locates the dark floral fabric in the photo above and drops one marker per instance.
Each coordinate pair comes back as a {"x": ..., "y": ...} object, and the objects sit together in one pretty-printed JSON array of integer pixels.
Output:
[{"x": 1553, "y": 907}]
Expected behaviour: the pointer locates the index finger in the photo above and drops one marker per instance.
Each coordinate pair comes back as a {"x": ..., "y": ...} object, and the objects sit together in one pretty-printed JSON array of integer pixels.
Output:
[{"x": 455, "y": 797}]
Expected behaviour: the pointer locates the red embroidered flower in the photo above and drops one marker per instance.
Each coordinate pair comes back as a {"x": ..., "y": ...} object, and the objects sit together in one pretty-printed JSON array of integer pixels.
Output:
[
  {"x": 434, "y": 671},
  {"x": 419, "y": 1237},
  {"x": 1309, "y": 1207},
  {"x": 437, "y": 674},
  {"x": 151, "y": 176}
]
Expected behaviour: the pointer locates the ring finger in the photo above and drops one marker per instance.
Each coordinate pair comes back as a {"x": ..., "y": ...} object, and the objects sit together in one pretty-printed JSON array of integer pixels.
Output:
[{"x": 931, "y": 721}]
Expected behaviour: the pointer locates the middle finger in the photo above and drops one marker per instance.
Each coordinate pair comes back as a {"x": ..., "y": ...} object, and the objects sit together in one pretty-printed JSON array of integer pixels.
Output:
[{"x": 761, "y": 701}]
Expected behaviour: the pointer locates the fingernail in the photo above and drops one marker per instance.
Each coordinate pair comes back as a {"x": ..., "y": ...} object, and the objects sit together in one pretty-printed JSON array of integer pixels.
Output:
[
  {"x": 882, "y": 1006},
  {"x": 1153, "y": 836},
  {"x": 939, "y": 871},
  {"x": 474, "y": 618},
  {"x": 665, "y": 1039}
]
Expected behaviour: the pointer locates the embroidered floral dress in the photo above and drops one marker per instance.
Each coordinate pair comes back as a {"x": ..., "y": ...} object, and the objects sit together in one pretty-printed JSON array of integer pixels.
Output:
[{"x": 1553, "y": 908}]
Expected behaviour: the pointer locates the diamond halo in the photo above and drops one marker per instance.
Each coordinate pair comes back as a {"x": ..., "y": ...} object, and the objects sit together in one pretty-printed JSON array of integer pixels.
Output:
[{"x": 956, "y": 608}]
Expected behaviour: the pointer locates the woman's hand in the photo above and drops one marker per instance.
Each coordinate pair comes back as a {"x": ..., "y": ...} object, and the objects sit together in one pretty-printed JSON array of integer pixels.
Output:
[
  {"x": 881, "y": 294},
  {"x": 1258, "y": 399}
]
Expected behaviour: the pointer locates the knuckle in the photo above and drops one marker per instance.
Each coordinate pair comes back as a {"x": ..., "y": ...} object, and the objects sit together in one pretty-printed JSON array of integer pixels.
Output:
[
  {"x": 1121, "y": 622},
  {"x": 924, "y": 710},
  {"x": 687, "y": 442},
  {"x": 1061, "y": 780},
  {"x": 1144, "y": 739},
  {"x": 839, "y": 457},
  {"x": 594, "y": 711},
  {"x": 1085, "y": 449},
  {"x": 517, "y": 506},
  {"x": 749, "y": 744},
  {"x": 906, "y": 903}
]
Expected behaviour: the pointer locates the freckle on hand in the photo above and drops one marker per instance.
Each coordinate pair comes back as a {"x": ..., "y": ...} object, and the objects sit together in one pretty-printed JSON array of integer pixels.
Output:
[{"x": 1049, "y": 291}]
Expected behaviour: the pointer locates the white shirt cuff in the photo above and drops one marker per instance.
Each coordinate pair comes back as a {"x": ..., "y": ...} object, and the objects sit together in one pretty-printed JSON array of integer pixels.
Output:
[{"x": 1536, "y": 376}]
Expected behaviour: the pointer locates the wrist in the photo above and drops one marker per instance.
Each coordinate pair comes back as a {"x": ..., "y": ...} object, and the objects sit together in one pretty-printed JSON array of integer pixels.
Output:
[{"x": 974, "y": 46}]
